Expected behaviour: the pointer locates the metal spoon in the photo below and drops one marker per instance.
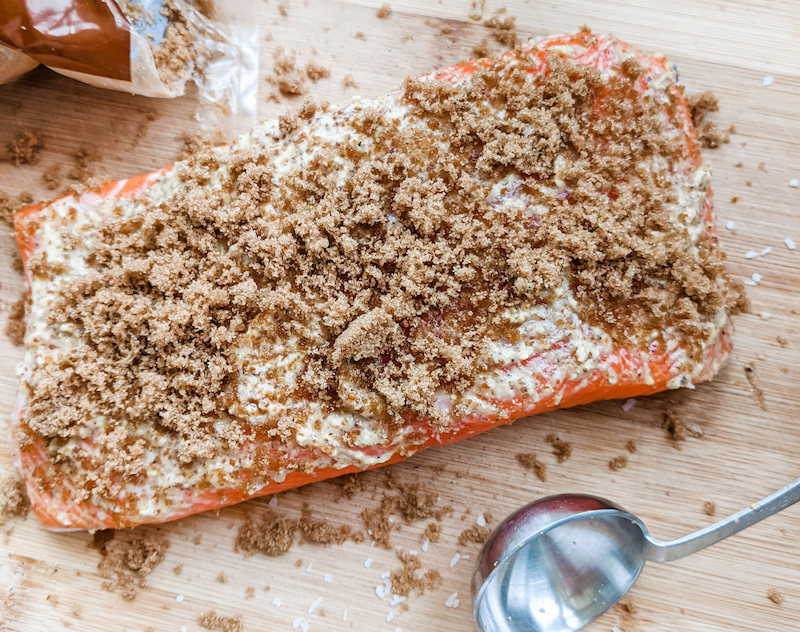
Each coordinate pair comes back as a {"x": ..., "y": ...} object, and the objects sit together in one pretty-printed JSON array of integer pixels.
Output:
[{"x": 558, "y": 563}]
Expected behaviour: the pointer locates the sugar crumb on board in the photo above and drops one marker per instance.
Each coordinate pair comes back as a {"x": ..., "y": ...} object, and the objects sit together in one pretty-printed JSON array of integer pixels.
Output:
[
  {"x": 350, "y": 484},
  {"x": 51, "y": 178},
  {"x": 678, "y": 429},
  {"x": 13, "y": 499},
  {"x": 618, "y": 463},
  {"x": 25, "y": 149},
  {"x": 286, "y": 76},
  {"x": 412, "y": 577},
  {"x": 15, "y": 324},
  {"x": 124, "y": 564},
  {"x": 475, "y": 534},
  {"x": 775, "y": 596},
  {"x": 503, "y": 29},
  {"x": 561, "y": 449},
  {"x": 384, "y": 12},
  {"x": 433, "y": 532},
  {"x": 213, "y": 621},
  {"x": 476, "y": 9},
  {"x": 530, "y": 462},
  {"x": 631, "y": 446},
  {"x": 349, "y": 82},
  {"x": 709, "y": 508},
  {"x": 708, "y": 132},
  {"x": 315, "y": 71}
]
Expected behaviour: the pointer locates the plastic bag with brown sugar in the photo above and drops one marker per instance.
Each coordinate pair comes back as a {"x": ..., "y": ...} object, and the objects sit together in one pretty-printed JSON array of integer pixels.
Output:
[{"x": 151, "y": 48}]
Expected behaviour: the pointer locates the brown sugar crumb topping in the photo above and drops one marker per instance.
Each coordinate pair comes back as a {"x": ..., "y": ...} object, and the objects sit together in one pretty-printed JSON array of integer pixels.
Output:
[
  {"x": 15, "y": 325},
  {"x": 13, "y": 499},
  {"x": 25, "y": 149},
  {"x": 406, "y": 262},
  {"x": 532, "y": 463},
  {"x": 411, "y": 577},
  {"x": 126, "y": 563},
  {"x": 503, "y": 29},
  {"x": 213, "y": 621}
]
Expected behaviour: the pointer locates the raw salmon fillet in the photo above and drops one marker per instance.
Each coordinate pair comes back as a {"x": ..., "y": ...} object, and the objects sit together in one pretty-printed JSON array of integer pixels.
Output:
[{"x": 342, "y": 288}]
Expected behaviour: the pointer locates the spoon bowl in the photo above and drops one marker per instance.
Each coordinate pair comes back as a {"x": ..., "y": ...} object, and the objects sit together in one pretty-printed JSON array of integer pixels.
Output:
[{"x": 556, "y": 565}]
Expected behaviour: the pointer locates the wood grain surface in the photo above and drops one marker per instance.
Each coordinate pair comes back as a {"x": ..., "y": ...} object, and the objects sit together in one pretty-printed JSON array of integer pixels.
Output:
[{"x": 49, "y": 581}]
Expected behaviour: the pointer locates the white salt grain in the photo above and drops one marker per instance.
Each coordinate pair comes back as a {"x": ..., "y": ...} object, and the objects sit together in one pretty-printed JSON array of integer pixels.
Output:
[
  {"x": 750, "y": 254},
  {"x": 730, "y": 225},
  {"x": 766, "y": 251},
  {"x": 481, "y": 521},
  {"x": 455, "y": 559},
  {"x": 380, "y": 591},
  {"x": 629, "y": 403},
  {"x": 276, "y": 602},
  {"x": 749, "y": 282},
  {"x": 273, "y": 501},
  {"x": 179, "y": 598},
  {"x": 794, "y": 183},
  {"x": 314, "y": 605},
  {"x": 368, "y": 562},
  {"x": 308, "y": 568},
  {"x": 389, "y": 617},
  {"x": 756, "y": 277},
  {"x": 300, "y": 624},
  {"x": 344, "y": 614},
  {"x": 452, "y": 601},
  {"x": 790, "y": 244},
  {"x": 183, "y": 628},
  {"x": 426, "y": 542},
  {"x": 396, "y": 599},
  {"x": 327, "y": 578},
  {"x": 768, "y": 80}
]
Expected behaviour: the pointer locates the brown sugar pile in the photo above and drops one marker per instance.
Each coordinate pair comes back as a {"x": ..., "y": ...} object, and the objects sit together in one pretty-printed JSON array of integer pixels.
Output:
[
  {"x": 532, "y": 463},
  {"x": 25, "y": 149},
  {"x": 618, "y": 463},
  {"x": 286, "y": 76},
  {"x": 401, "y": 268},
  {"x": 384, "y": 12},
  {"x": 678, "y": 429},
  {"x": 475, "y": 534},
  {"x": 15, "y": 325},
  {"x": 709, "y": 508},
  {"x": 350, "y": 485},
  {"x": 315, "y": 71},
  {"x": 561, "y": 449},
  {"x": 709, "y": 134},
  {"x": 411, "y": 577},
  {"x": 13, "y": 499},
  {"x": 503, "y": 29},
  {"x": 213, "y": 621},
  {"x": 125, "y": 564},
  {"x": 775, "y": 596},
  {"x": 433, "y": 532}
]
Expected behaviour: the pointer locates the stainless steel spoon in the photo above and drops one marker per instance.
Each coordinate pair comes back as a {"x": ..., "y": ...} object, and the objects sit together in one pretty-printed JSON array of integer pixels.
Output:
[{"x": 560, "y": 562}]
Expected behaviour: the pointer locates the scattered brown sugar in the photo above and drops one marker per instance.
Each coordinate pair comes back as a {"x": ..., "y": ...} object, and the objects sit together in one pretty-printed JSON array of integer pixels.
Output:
[
  {"x": 350, "y": 485},
  {"x": 709, "y": 507},
  {"x": 360, "y": 36},
  {"x": 709, "y": 134},
  {"x": 177, "y": 569},
  {"x": 782, "y": 341},
  {"x": 476, "y": 534},
  {"x": 193, "y": 144},
  {"x": 433, "y": 532},
  {"x": 249, "y": 592},
  {"x": 618, "y": 463},
  {"x": 176, "y": 50},
  {"x": 15, "y": 325},
  {"x": 315, "y": 71},
  {"x": 405, "y": 265},
  {"x": 561, "y": 449},
  {"x": 762, "y": 166},
  {"x": 213, "y": 621},
  {"x": 476, "y": 9},
  {"x": 630, "y": 446},
  {"x": 410, "y": 502},
  {"x": 6, "y": 209},
  {"x": 25, "y": 149},
  {"x": 755, "y": 386},
  {"x": 267, "y": 533},
  {"x": 285, "y": 75},
  {"x": 125, "y": 564},
  {"x": 51, "y": 178},
  {"x": 678, "y": 429},
  {"x": 322, "y": 532},
  {"x": 283, "y": 7},
  {"x": 384, "y": 12},
  {"x": 530, "y": 462},
  {"x": 734, "y": 200},
  {"x": 349, "y": 82},
  {"x": 503, "y": 29},
  {"x": 84, "y": 159},
  {"x": 411, "y": 577},
  {"x": 482, "y": 49},
  {"x": 629, "y": 607},
  {"x": 222, "y": 578},
  {"x": 13, "y": 499},
  {"x": 774, "y": 596}
]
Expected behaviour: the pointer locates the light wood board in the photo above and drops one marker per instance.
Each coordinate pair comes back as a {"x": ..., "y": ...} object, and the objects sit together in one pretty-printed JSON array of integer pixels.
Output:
[{"x": 747, "y": 450}]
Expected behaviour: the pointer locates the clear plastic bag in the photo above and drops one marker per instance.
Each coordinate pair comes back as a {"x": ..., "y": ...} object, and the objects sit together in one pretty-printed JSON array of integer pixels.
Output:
[{"x": 164, "y": 44}]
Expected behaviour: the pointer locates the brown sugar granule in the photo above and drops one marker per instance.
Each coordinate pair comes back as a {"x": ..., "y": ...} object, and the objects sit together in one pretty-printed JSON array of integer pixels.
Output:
[
  {"x": 315, "y": 71},
  {"x": 177, "y": 48},
  {"x": 709, "y": 508},
  {"x": 250, "y": 592},
  {"x": 531, "y": 462},
  {"x": 360, "y": 36},
  {"x": 762, "y": 166},
  {"x": 177, "y": 569},
  {"x": 84, "y": 159},
  {"x": 15, "y": 325},
  {"x": 709, "y": 134},
  {"x": 631, "y": 446},
  {"x": 213, "y": 621},
  {"x": 734, "y": 200},
  {"x": 349, "y": 82},
  {"x": 482, "y": 49},
  {"x": 411, "y": 577},
  {"x": 561, "y": 449},
  {"x": 350, "y": 485},
  {"x": 476, "y": 534},
  {"x": 25, "y": 149},
  {"x": 618, "y": 463},
  {"x": 384, "y": 12},
  {"x": 782, "y": 341},
  {"x": 629, "y": 607},
  {"x": 678, "y": 429},
  {"x": 410, "y": 502},
  {"x": 285, "y": 74},
  {"x": 6, "y": 209},
  {"x": 755, "y": 386},
  {"x": 476, "y": 10},
  {"x": 433, "y": 532},
  {"x": 322, "y": 532},
  {"x": 51, "y": 178},
  {"x": 775, "y": 596},
  {"x": 267, "y": 533},
  {"x": 13, "y": 499},
  {"x": 193, "y": 144},
  {"x": 125, "y": 564},
  {"x": 283, "y": 7},
  {"x": 504, "y": 30},
  {"x": 222, "y": 578}
]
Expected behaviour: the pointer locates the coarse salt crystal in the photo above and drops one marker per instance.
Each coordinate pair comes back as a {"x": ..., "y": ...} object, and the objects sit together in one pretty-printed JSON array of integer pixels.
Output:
[
  {"x": 749, "y": 282},
  {"x": 397, "y": 630},
  {"x": 276, "y": 602},
  {"x": 481, "y": 521},
  {"x": 300, "y": 624},
  {"x": 756, "y": 277},
  {"x": 629, "y": 403},
  {"x": 766, "y": 251},
  {"x": 380, "y": 591},
  {"x": 179, "y": 598},
  {"x": 426, "y": 542},
  {"x": 183, "y": 628},
  {"x": 750, "y": 254},
  {"x": 765, "y": 315},
  {"x": 768, "y": 80},
  {"x": 308, "y": 568},
  {"x": 327, "y": 578},
  {"x": 455, "y": 559},
  {"x": 368, "y": 562},
  {"x": 396, "y": 599},
  {"x": 386, "y": 575},
  {"x": 344, "y": 614},
  {"x": 273, "y": 501},
  {"x": 615, "y": 629},
  {"x": 389, "y": 617},
  {"x": 314, "y": 605},
  {"x": 794, "y": 183},
  {"x": 730, "y": 225},
  {"x": 452, "y": 601},
  {"x": 465, "y": 557},
  {"x": 790, "y": 243}
]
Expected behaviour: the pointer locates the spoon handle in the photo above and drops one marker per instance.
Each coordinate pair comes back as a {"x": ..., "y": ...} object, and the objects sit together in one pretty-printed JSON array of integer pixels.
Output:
[{"x": 675, "y": 549}]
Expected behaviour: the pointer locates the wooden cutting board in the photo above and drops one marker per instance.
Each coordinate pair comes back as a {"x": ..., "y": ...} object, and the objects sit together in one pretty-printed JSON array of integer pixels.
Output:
[{"x": 750, "y": 445}]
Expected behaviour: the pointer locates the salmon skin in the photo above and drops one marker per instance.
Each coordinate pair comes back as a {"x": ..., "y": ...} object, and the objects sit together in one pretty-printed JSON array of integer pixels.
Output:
[{"x": 569, "y": 362}]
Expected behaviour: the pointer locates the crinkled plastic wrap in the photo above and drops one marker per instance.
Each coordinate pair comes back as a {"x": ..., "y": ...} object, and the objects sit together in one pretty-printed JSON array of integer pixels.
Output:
[{"x": 147, "y": 47}]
